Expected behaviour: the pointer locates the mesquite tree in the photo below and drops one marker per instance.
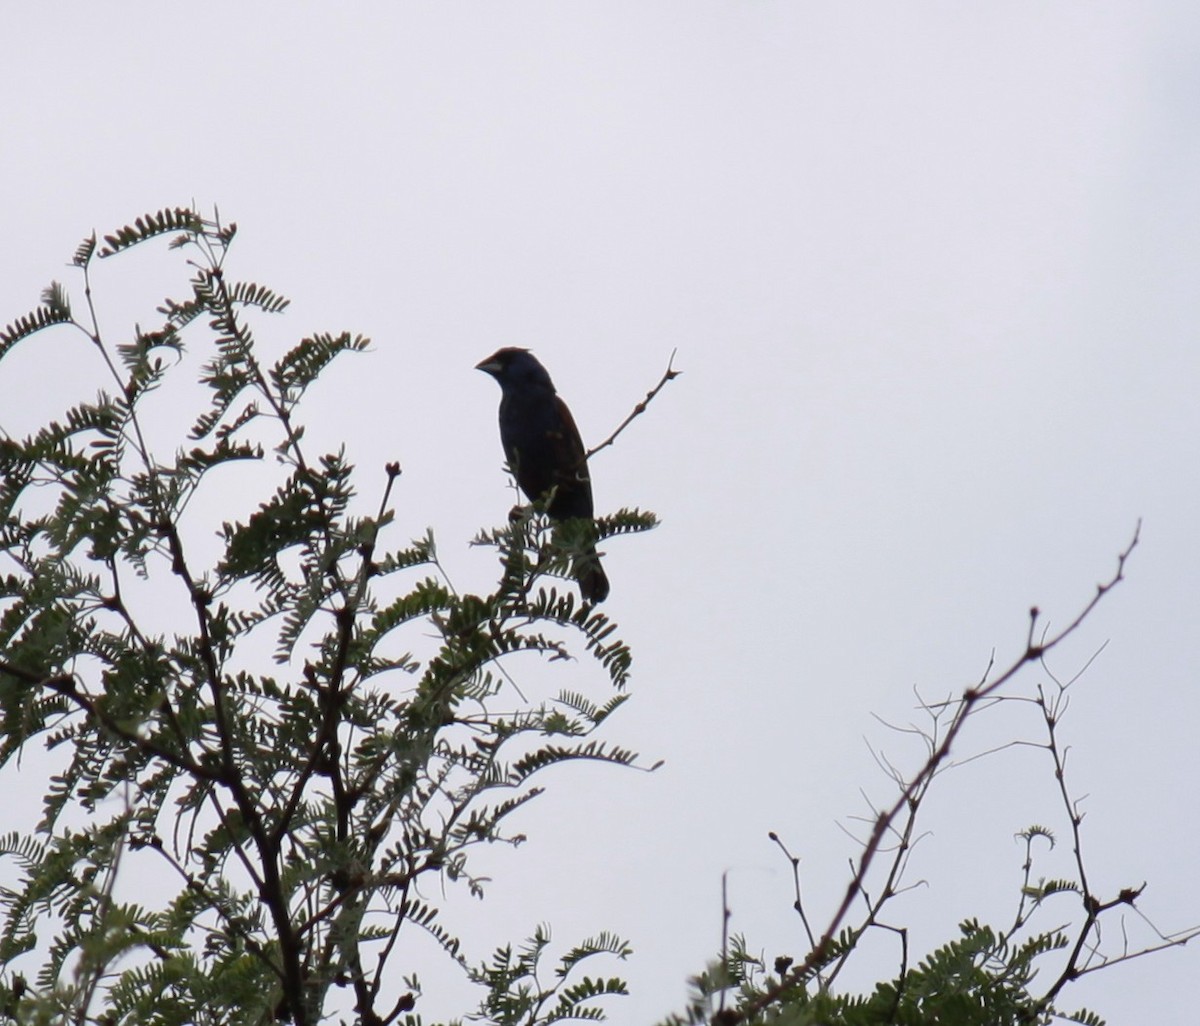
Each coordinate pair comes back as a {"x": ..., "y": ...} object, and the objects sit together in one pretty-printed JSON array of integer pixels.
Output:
[{"x": 290, "y": 810}]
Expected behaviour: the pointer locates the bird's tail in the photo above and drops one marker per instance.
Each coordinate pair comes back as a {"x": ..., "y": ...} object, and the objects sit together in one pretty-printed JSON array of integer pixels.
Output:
[
  {"x": 593, "y": 581},
  {"x": 577, "y": 535}
]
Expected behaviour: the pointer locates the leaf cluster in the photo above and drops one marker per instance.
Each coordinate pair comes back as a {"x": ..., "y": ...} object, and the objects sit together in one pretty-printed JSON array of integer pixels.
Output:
[
  {"x": 517, "y": 996},
  {"x": 981, "y": 978}
]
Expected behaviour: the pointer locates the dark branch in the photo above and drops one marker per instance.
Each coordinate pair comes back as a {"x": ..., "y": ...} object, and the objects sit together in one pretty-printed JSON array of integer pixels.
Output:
[{"x": 668, "y": 375}]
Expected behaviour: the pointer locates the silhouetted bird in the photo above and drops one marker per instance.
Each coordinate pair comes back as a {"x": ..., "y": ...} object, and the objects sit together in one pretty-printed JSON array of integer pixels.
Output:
[{"x": 544, "y": 450}]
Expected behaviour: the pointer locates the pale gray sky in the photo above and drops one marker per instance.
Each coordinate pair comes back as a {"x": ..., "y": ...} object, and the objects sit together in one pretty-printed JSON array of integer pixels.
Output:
[{"x": 930, "y": 269}]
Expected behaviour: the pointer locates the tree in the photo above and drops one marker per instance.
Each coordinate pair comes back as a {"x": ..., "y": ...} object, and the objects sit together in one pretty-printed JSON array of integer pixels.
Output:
[
  {"x": 988, "y": 975},
  {"x": 292, "y": 755},
  {"x": 295, "y": 810}
]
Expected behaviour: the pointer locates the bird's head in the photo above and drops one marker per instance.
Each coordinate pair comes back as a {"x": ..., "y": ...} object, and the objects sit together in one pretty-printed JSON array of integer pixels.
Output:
[{"x": 516, "y": 368}]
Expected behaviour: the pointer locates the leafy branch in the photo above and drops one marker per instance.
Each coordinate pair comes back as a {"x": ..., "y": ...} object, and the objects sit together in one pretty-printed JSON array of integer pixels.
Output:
[{"x": 297, "y": 810}]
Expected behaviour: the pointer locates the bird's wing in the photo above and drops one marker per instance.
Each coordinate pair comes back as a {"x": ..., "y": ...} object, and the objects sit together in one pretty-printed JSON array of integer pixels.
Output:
[
  {"x": 571, "y": 455},
  {"x": 573, "y": 496}
]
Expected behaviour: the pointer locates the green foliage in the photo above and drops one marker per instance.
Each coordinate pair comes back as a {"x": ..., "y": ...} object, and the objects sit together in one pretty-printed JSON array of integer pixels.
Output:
[
  {"x": 290, "y": 816},
  {"x": 54, "y": 309},
  {"x": 148, "y": 226},
  {"x": 983, "y": 978},
  {"x": 517, "y": 996}
]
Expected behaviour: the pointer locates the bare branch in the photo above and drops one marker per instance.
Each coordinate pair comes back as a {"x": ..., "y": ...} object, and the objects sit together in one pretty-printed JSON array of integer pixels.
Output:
[
  {"x": 668, "y": 375},
  {"x": 911, "y": 795}
]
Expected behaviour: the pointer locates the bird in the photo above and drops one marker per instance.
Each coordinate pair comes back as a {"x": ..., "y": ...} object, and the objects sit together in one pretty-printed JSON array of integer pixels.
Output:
[{"x": 545, "y": 451}]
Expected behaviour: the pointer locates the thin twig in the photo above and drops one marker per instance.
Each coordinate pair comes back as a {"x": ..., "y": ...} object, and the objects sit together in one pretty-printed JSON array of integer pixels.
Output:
[{"x": 668, "y": 375}]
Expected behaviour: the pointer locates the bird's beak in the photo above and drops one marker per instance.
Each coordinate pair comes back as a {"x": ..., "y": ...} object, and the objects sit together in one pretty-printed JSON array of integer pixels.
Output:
[{"x": 488, "y": 366}]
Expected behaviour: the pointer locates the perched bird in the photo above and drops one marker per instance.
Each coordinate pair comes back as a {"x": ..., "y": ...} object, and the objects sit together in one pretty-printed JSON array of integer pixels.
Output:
[{"x": 544, "y": 450}]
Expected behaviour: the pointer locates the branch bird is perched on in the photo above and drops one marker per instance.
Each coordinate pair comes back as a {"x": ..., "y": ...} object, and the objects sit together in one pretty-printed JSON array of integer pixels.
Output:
[{"x": 544, "y": 450}]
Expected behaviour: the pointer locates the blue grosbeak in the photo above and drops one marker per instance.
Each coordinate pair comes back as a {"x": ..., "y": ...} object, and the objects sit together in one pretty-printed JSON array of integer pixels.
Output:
[{"x": 545, "y": 452}]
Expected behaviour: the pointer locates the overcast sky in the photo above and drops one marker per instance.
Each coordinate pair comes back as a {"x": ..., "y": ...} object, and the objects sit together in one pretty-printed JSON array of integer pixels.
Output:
[{"x": 930, "y": 269}]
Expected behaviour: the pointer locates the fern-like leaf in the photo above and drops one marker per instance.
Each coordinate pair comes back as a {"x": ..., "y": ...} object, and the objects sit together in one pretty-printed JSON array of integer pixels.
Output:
[
  {"x": 84, "y": 251},
  {"x": 148, "y": 226},
  {"x": 34, "y": 321},
  {"x": 248, "y": 293},
  {"x": 301, "y": 365}
]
